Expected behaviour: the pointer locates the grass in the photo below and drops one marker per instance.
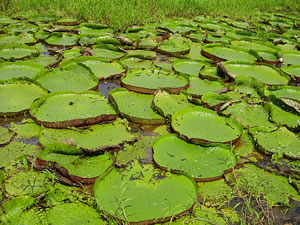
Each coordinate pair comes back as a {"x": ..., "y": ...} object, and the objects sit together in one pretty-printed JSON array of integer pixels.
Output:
[{"x": 121, "y": 13}]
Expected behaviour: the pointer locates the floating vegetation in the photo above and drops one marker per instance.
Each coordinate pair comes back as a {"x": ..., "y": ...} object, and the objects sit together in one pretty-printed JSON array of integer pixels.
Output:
[{"x": 208, "y": 131}]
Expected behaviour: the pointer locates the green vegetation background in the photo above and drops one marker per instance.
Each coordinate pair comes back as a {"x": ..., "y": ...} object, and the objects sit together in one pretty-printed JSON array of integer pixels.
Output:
[{"x": 121, "y": 13}]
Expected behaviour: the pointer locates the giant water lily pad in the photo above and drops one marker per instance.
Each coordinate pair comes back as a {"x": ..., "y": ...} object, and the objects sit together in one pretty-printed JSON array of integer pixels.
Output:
[
  {"x": 252, "y": 116},
  {"x": 149, "y": 80},
  {"x": 202, "y": 163},
  {"x": 167, "y": 104},
  {"x": 19, "y": 69},
  {"x": 255, "y": 45},
  {"x": 215, "y": 192},
  {"x": 287, "y": 92},
  {"x": 62, "y": 39},
  {"x": 5, "y": 135},
  {"x": 176, "y": 44},
  {"x": 199, "y": 87},
  {"x": 95, "y": 138},
  {"x": 188, "y": 66},
  {"x": 63, "y": 109},
  {"x": 128, "y": 193},
  {"x": 15, "y": 150},
  {"x": 74, "y": 213},
  {"x": 135, "y": 107},
  {"x": 79, "y": 169},
  {"x": 27, "y": 183},
  {"x": 223, "y": 53},
  {"x": 101, "y": 68},
  {"x": 136, "y": 63},
  {"x": 26, "y": 130},
  {"x": 16, "y": 96},
  {"x": 284, "y": 117},
  {"x": 74, "y": 77},
  {"x": 205, "y": 126},
  {"x": 17, "y": 51},
  {"x": 275, "y": 189},
  {"x": 280, "y": 141},
  {"x": 263, "y": 73},
  {"x": 108, "y": 51},
  {"x": 292, "y": 71},
  {"x": 291, "y": 57}
]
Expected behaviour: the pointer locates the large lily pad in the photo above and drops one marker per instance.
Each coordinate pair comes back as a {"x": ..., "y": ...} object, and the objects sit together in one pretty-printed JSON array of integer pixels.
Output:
[
  {"x": 167, "y": 104},
  {"x": 79, "y": 169},
  {"x": 149, "y": 80},
  {"x": 205, "y": 126},
  {"x": 284, "y": 117},
  {"x": 5, "y": 135},
  {"x": 16, "y": 96},
  {"x": 202, "y": 163},
  {"x": 108, "y": 51},
  {"x": 74, "y": 213},
  {"x": 174, "y": 45},
  {"x": 293, "y": 71},
  {"x": 135, "y": 107},
  {"x": 17, "y": 51},
  {"x": 95, "y": 138},
  {"x": 15, "y": 150},
  {"x": 74, "y": 77},
  {"x": 199, "y": 87},
  {"x": 288, "y": 92},
  {"x": 275, "y": 189},
  {"x": 222, "y": 53},
  {"x": 27, "y": 183},
  {"x": 280, "y": 141},
  {"x": 62, "y": 39},
  {"x": 215, "y": 192},
  {"x": 63, "y": 109},
  {"x": 255, "y": 45},
  {"x": 291, "y": 57},
  {"x": 188, "y": 66},
  {"x": 101, "y": 68},
  {"x": 136, "y": 63},
  {"x": 263, "y": 73},
  {"x": 128, "y": 193},
  {"x": 19, "y": 69},
  {"x": 252, "y": 116}
]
